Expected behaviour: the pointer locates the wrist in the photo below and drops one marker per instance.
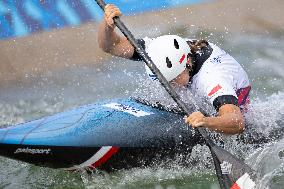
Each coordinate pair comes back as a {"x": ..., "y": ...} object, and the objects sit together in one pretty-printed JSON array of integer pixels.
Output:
[{"x": 206, "y": 121}]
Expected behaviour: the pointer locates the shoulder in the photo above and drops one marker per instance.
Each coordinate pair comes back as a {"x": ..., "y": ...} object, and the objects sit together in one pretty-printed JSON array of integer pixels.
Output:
[
  {"x": 144, "y": 43},
  {"x": 147, "y": 40}
]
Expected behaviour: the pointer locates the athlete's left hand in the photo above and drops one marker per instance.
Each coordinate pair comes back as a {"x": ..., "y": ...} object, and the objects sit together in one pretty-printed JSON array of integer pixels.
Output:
[{"x": 196, "y": 119}]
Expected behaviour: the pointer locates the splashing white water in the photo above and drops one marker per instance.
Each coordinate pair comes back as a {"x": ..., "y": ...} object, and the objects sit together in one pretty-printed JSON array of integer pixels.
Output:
[
  {"x": 153, "y": 92},
  {"x": 267, "y": 114},
  {"x": 265, "y": 120},
  {"x": 269, "y": 163}
]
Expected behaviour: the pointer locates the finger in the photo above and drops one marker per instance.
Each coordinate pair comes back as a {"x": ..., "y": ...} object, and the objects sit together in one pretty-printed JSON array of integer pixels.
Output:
[
  {"x": 111, "y": 9},
  {"x": 117, "y": 11},
  {"x": 189, "y": 120},
  {"x": 109, "y": 21},
  {"x": 185, "y": 119},
  {"x": 197, "y": 123},
  {"x": 192, "y": 119},
  {"x": 200, "y": 124},
  {"x": 189, "y": 117},
  {"x": 109, "y": 16},
  {"x": 109, "y": 6},
  {"x": 114, "y": 14},
  {"x": 193, "y": 125},
  {"x": 108, "y": 12}
]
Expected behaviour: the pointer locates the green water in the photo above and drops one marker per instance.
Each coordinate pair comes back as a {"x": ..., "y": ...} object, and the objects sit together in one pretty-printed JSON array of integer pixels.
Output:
[{"x": 20, "y": 175}]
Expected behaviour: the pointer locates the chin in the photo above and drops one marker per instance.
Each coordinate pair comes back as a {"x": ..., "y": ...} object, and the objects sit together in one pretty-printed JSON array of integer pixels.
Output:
[
  {"x": 186, "y": 82},
  {"x": 181, "y": 84}
]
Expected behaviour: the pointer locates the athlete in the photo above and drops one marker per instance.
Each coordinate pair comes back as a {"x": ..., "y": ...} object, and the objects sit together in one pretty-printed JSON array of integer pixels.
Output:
[{"x": 202, "y": 66}]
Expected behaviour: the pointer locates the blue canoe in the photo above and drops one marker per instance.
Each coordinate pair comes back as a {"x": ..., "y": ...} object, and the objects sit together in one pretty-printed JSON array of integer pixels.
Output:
[
  {"x": 113, "y": 134},
  {"x": 110, "y": 135}
]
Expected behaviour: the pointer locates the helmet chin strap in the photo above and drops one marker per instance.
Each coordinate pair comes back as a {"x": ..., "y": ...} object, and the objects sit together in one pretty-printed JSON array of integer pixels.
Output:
[
  {"x": 189, "y": 67},
  {"x": 190, "y": 71}
]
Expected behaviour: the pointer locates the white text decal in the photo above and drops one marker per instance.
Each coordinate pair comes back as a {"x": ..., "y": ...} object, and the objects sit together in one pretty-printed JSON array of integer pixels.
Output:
[{"x": 125, "y": 108}]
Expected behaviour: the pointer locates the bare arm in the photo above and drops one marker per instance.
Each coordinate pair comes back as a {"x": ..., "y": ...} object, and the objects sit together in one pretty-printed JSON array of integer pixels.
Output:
[
  {"x": 109, "y": 41},
  {"x": 229, "y": 121}
]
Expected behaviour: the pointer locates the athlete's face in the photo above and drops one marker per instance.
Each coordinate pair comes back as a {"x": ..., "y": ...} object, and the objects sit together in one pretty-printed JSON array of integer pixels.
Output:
[{"x": 182, "y": 79}]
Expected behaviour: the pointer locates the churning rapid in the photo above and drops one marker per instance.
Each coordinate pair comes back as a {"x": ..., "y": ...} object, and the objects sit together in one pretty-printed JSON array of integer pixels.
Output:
[{"x": 262, "y": 57}]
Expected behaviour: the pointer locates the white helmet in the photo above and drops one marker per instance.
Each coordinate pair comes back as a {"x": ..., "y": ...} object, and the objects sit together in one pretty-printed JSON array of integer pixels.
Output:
[{"x": 169, "y": 54}]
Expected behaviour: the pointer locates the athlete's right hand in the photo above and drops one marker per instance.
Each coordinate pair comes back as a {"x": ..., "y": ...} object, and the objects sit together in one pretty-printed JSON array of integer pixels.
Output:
[{"x": 111, "y": 11}]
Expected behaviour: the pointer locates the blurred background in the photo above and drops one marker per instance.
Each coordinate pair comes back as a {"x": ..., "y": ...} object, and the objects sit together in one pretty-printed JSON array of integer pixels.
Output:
[
  {"x": 40, "y": 36},
  {"x": 50, "y": 62}
]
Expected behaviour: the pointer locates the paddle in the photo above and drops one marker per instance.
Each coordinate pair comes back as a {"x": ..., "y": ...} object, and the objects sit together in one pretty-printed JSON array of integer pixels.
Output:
[{"x": 231, "y": 172}]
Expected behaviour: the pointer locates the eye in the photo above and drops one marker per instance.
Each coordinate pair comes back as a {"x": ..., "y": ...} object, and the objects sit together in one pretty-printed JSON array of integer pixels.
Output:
[
  {"x": 169, "y": 63},
  {"x": 176, "y": 44}
]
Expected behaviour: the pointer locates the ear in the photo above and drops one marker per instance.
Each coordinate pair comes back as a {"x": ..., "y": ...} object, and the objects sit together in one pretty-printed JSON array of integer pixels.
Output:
[{"x": 176, "y": 44}]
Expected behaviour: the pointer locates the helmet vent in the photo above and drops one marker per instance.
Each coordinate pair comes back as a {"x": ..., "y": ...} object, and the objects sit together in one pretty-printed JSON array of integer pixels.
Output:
[
  {"x": 176, "y": 44},
  {"x": 169, "y": 63}
]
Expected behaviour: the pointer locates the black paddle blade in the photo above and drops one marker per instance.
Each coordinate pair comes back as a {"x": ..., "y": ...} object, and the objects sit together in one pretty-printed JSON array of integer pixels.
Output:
[{"x": 232, "y": 173}]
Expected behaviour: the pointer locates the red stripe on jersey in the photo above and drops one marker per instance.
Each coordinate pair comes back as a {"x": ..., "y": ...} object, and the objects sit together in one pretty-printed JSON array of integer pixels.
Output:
[
  {"x": 243, "y": 95},
  {"x": 214, "y": 90}
]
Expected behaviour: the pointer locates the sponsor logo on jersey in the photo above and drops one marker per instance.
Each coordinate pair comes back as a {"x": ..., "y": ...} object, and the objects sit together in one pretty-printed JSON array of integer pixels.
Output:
[
  {"x": 128, "y": 109},
  {"x": 215, "y": 90},
  {"x": 32, "y": 151},
  {"x": 216, "y": 60}
]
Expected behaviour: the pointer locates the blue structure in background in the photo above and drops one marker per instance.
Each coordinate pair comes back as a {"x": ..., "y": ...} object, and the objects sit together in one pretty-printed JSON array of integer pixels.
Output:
[{"x": 22, "y": 17}]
